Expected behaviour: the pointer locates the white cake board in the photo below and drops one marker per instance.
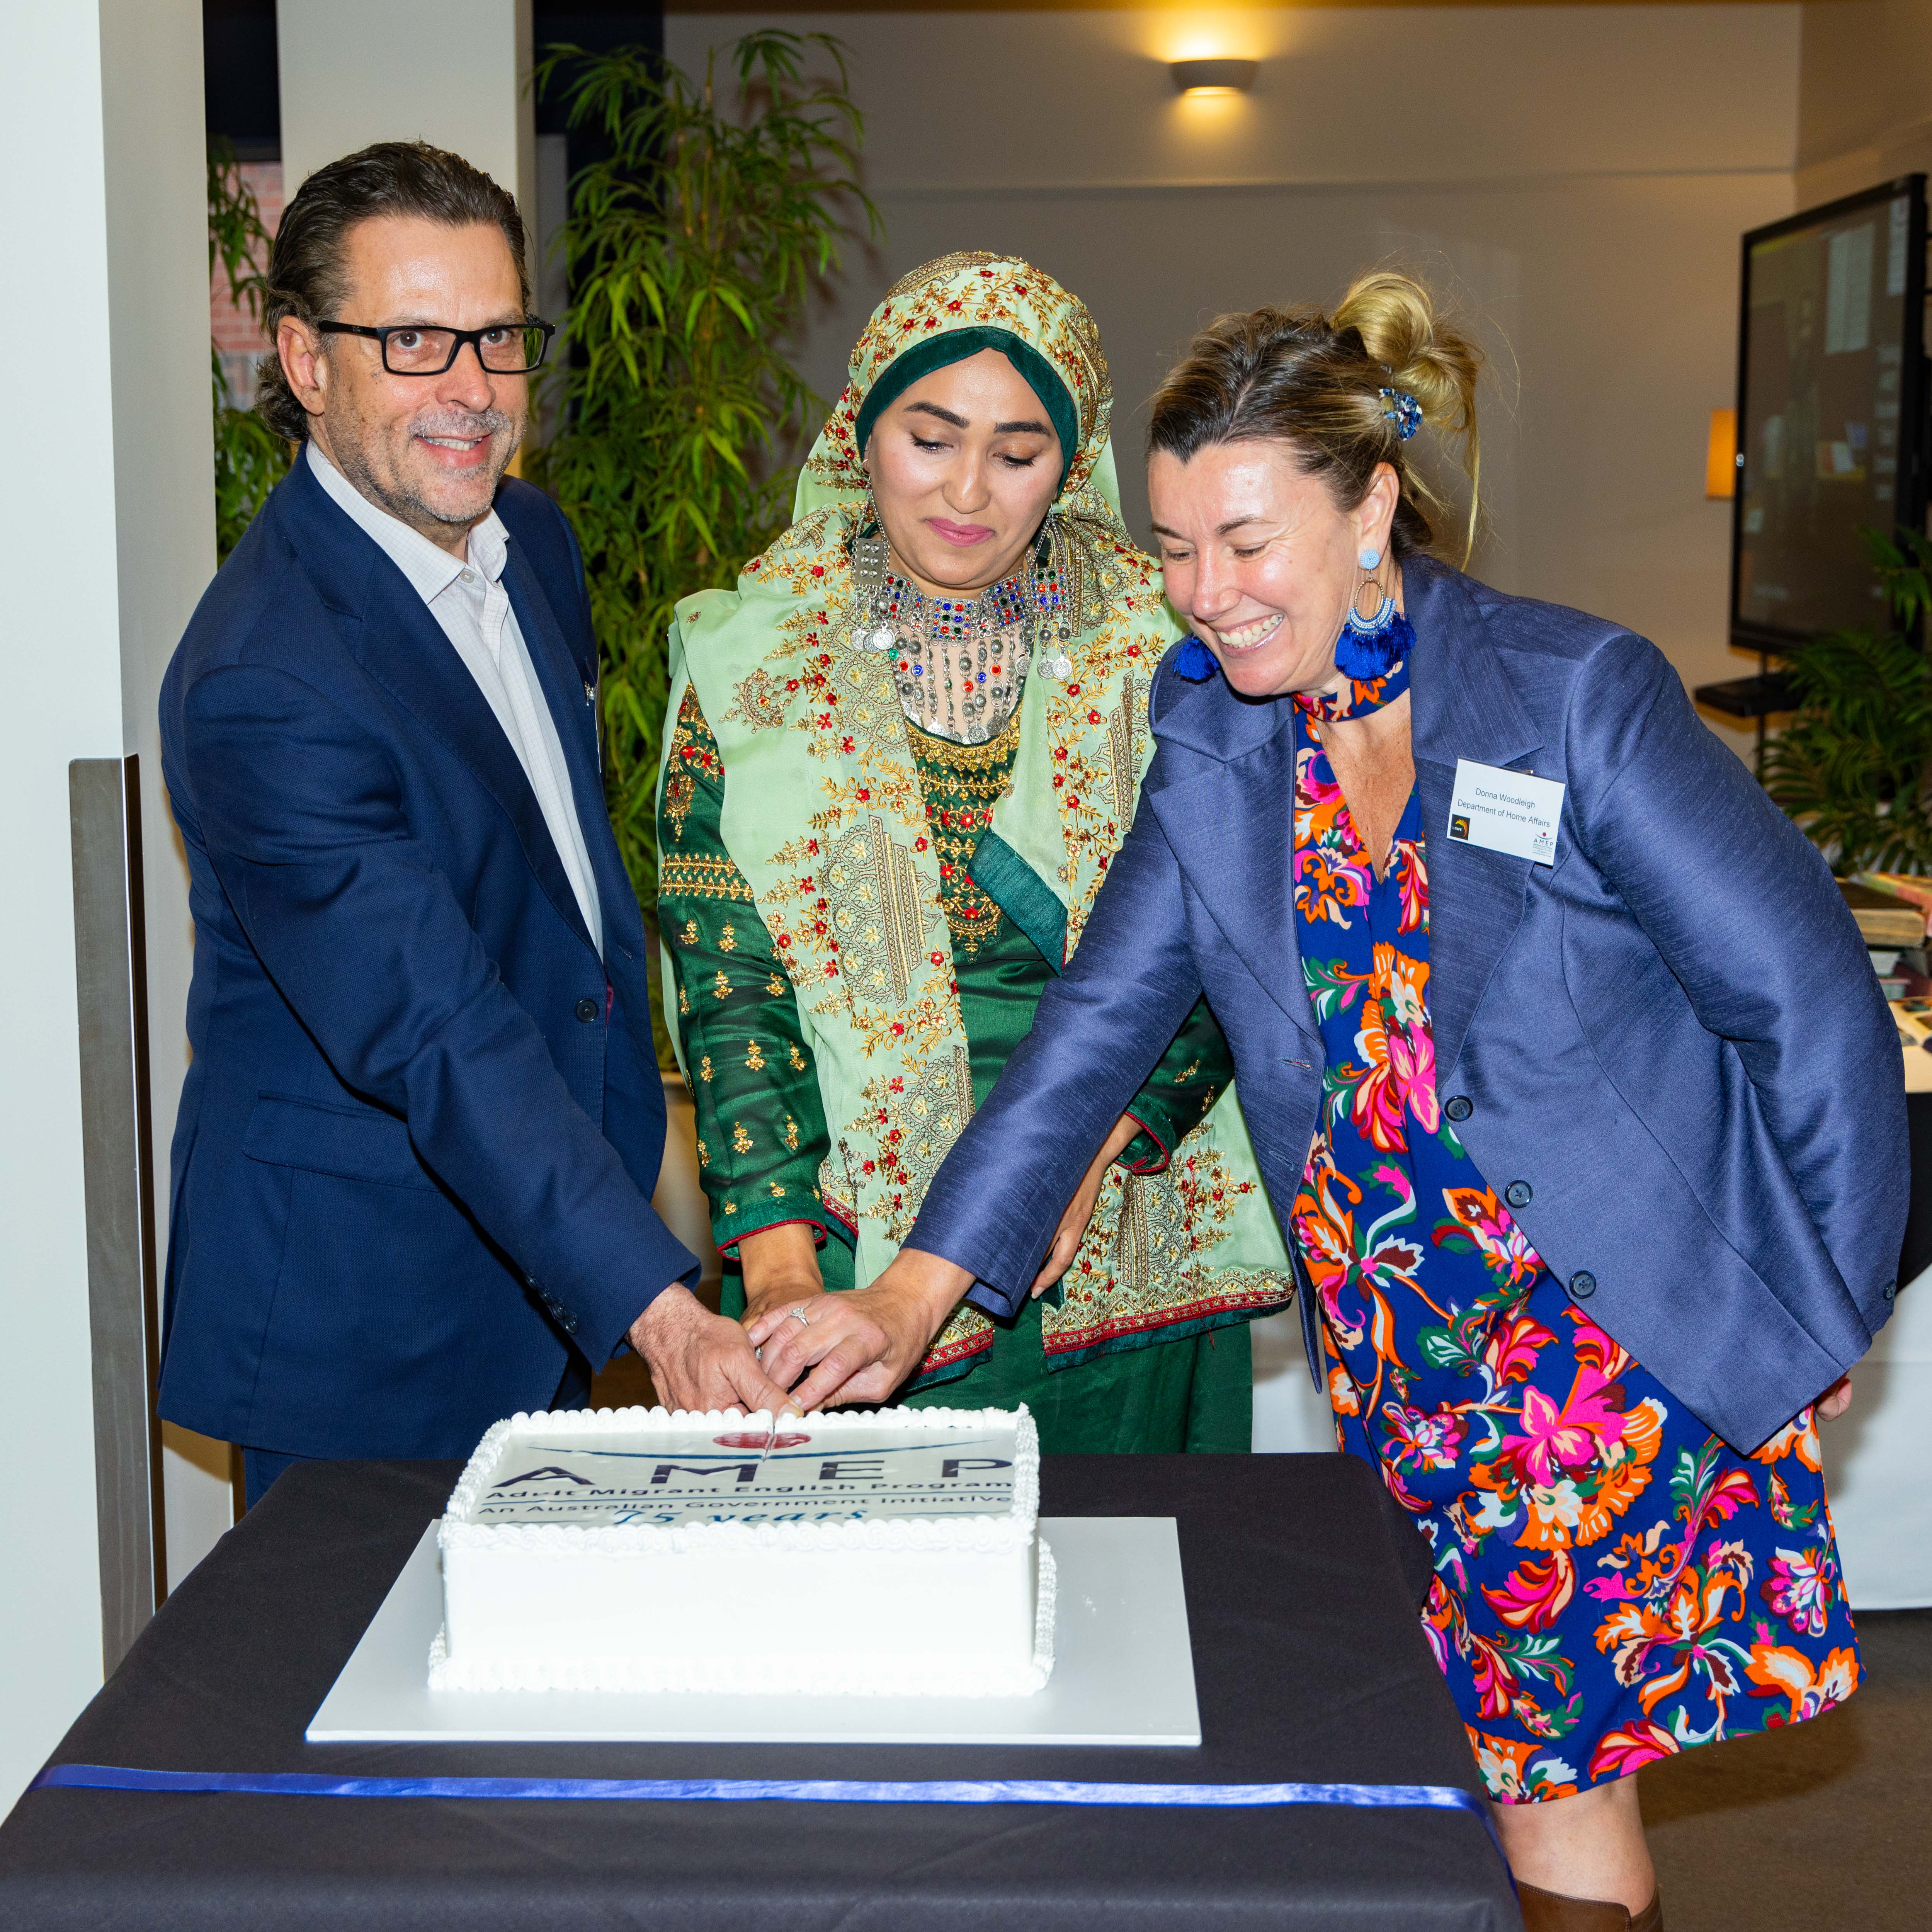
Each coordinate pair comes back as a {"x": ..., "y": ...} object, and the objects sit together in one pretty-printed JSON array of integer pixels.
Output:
[{"x": 1123, "y": 1673}]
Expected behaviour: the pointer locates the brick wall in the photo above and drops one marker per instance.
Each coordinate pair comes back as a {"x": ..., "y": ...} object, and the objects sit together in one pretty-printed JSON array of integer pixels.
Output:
[{"x": 236, "y": 337}]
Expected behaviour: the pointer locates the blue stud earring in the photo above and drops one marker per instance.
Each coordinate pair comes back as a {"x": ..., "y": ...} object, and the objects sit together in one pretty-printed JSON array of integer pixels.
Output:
[{"x": 1370, "y": 559}]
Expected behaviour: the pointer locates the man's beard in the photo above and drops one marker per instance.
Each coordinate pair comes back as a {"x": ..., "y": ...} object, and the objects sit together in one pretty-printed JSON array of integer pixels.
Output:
[{"x": 351, "y": 452}]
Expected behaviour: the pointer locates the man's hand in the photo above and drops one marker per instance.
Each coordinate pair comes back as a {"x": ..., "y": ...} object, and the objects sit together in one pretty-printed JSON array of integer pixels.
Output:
[
  {"x": 701, "y": 1360},
  {"x": 1835, "y": 1400},
  {"x": 1073, "y": 1228},
  {"x": 860, "y": 1346}
]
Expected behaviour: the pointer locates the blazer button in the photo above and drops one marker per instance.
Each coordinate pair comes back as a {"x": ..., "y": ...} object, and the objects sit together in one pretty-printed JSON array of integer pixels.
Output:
[
  {"x": 1459, "y": 1107},
  {"x": 1517, "y": 1194},
  {"x": 1582, "y": 1284},
  {"x": 1890, "y": 1291},
  {"x": 587, "y": 1010}
]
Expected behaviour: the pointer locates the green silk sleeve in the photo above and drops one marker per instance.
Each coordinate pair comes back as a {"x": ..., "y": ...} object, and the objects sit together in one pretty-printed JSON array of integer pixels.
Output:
[
  {"x": 761, "y": 1131},
  {"x": 1188, "y": 1078}
]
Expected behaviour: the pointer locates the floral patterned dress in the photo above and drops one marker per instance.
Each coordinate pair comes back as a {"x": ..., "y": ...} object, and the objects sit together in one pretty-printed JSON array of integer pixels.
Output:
[{"x": 1613, "y": 1583}]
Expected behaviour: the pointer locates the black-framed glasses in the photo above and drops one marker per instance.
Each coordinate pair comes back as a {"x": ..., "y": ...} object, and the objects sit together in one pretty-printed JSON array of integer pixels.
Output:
[{"x": 414, "y": 348}]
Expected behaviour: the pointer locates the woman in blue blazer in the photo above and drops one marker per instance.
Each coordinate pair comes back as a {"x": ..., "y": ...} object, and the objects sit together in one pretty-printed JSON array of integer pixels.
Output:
[{"x": 1566, "y": 1069}]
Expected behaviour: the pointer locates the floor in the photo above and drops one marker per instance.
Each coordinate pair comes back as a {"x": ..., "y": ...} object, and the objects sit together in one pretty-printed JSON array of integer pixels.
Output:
[{"x": 1825, "y": 1825}]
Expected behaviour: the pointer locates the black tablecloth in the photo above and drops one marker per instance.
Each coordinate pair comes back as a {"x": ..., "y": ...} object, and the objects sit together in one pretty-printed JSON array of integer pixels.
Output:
[{"x": 1302, "y": 1581}]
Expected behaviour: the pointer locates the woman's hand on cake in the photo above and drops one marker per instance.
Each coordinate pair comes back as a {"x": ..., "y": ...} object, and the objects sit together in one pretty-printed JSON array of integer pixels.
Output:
[
  {"x": 862, "y": 1345},
  {"x": 781, "y": 1266},
  {"x": 1073, "y": 1228},
  {"x": 700, "y": 1361}
]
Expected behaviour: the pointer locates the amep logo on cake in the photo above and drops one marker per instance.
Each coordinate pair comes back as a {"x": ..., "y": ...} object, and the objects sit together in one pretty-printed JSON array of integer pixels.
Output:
[{"x": 833, "y": 1473}]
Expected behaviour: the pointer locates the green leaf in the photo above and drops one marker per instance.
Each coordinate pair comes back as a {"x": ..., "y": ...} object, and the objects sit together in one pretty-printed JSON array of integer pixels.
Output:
[{"x": 675, "y": 419}]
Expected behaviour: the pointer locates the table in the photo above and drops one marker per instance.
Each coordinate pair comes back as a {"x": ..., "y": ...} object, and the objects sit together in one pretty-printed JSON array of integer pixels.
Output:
[{"x": 1302, "y": 1581}]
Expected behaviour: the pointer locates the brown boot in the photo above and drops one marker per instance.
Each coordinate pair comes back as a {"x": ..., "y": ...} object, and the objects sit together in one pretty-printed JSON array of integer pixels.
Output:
[{"x": 1553, "y": 1911}]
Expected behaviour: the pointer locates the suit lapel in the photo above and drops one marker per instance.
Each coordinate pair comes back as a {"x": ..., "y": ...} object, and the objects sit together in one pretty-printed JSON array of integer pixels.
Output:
[
  {"x": 1231, "y": 827},
  {"x": 403, "y": 648},
  {"x": 1462, "y": 706},
  {"x": 567, "y": 686}
]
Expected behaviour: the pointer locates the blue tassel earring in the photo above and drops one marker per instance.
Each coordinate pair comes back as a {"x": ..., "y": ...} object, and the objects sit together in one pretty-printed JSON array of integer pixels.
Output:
[
  {"x": 1371, "y": 645},
  {"x": 1195, "y": 661}
]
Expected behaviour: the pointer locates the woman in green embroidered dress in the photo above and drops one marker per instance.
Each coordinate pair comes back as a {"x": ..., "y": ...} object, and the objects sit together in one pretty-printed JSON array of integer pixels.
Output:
[{"x": 901, "y": 755}]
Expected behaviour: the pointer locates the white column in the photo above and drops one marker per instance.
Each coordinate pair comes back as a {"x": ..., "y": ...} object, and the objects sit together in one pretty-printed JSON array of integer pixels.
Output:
[
  {"x": 106, "y": 526},
  {"x": 355, "y": 71}
]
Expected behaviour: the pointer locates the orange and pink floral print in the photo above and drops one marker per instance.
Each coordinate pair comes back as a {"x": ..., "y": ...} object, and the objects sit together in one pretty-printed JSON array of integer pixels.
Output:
[{"x": 1613, "y": 1584}]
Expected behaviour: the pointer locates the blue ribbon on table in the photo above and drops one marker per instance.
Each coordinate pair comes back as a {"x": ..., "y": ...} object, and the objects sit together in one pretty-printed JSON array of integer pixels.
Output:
[{"x": 803, "y": 1790}]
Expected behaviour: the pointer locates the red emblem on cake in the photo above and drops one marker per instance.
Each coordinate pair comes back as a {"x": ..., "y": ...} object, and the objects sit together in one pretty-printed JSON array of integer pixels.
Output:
[{"x": 753, "y": 1440}]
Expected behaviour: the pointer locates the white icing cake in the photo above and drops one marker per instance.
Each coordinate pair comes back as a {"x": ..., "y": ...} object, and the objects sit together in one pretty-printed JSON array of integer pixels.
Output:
[{"x": 894, "y": 1553}]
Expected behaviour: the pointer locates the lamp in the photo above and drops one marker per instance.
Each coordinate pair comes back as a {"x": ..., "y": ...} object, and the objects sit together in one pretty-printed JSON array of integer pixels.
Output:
[
  {"x": 1214, "y": 76},
  {"x": 1720, "y": 461}
]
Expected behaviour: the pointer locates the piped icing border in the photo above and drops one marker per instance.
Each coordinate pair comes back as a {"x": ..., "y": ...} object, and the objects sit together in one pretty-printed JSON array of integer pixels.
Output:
[{"x": 1014, "y": 1529}]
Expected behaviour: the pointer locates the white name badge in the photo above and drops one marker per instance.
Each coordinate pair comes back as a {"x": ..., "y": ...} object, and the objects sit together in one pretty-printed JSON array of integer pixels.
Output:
[{"x": 1506, "y": 811}]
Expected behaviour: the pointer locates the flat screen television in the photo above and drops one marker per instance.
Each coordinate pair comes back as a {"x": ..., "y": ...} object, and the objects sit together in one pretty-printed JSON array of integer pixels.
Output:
[{"x": 1831, "y": 411}]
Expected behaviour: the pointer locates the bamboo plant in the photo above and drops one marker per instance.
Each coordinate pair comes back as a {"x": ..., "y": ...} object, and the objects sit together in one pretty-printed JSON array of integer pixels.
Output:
[
  {"x": 1853, "y": 765},
  {"x": 691, "y": 252},
  {"x": 250, "y": 458}
]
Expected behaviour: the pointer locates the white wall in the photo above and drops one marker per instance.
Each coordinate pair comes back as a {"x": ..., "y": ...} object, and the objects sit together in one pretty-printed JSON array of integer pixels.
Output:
[
  {"x": 106, "y": 505},
  {"x": 1865, "y": 102},
  {"x": 355, "y": 71},
  {"x": 1577, "y": 177}
]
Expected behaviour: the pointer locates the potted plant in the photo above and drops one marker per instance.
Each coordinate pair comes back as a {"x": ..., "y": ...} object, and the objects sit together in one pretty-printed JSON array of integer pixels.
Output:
[
  {"x": 1853, "y": 764},
  {"x": 691, "y": 250},
  {"x": 250, "y": 458}
]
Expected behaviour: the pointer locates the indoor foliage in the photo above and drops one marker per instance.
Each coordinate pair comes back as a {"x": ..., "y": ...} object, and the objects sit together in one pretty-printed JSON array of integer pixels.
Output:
[
  {"x": 1854, "y": 764},
  {"x": 691, "y": 252},
  {"x": 250, "y": 458}
]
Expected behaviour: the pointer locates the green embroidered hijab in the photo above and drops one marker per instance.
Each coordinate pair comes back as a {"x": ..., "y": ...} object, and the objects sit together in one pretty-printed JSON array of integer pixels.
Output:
[{"x": 951, "y": 309}]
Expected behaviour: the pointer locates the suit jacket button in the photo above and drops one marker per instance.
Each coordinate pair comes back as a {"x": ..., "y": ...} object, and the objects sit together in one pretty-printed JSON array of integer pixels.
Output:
[
  {"x": 1459, "y": 1107},
  {"x": 1582, "y": 1284},
  {"x": 1890, "y": 1291},
  {"x": 1517, "y": 1194},
  {"x": 587, "y": 1010}
]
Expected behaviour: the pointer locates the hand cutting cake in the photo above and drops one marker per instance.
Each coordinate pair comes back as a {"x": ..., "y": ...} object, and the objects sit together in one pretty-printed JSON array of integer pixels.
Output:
[{"x": 643, "y": 1550}]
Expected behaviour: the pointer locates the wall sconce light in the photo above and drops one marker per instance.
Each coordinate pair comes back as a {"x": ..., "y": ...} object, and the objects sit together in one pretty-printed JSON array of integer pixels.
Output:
[
  {"x": 1720, "y": 462},
  {"x": 1214, "y": 76}
]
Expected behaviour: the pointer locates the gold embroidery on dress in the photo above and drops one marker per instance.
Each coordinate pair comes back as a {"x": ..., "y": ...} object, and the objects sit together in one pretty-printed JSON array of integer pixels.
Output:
[
  {"x": 680, "y": 789},
  {"x": 791, "y": 1135},
  {"x": 693, "y": 749},
  {"x": 792, "y": 1054},
  {"x": 759, "y": 700},
  {"x": 741, "y": 1141},
  {"x": 704, "y": 1068},
  {"x": 689, "y": 935},
  {"x": 776, "y": 987},
  {"x": 728, "y": 940},
  {"x": 704, "y": 1153},
  {"x": 721, "y": 987},
  {"x": 961, "y": 784},
  {"x": 754, "y": 1060},
  {"x": 777, "y": 1193},
  {"x": 683, "y": 999},
  {"x": 681, "y": 875}
]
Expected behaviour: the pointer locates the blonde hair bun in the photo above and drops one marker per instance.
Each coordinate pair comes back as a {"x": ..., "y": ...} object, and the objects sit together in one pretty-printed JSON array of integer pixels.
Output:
[{"x": 1320, "y": 382}]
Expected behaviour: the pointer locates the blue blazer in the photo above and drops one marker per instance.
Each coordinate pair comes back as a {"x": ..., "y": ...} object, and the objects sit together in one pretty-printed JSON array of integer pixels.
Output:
[
  {"x": 413, "y": 1163},
  {"x": 1672, "y": 1037}
]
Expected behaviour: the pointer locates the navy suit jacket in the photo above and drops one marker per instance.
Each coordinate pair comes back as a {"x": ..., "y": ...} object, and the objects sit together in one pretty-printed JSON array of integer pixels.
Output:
[
  {"x": 1672, "y": 1036},
  {"x": 413, "y": 1163}
]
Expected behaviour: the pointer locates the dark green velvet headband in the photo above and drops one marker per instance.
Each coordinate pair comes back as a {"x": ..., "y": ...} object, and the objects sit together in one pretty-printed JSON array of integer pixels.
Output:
[{"x": 938, "y": 352}]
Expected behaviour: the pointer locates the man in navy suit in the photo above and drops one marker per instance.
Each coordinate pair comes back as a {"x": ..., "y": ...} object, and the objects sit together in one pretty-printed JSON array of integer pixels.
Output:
[{"x": 413, "y": 1164}]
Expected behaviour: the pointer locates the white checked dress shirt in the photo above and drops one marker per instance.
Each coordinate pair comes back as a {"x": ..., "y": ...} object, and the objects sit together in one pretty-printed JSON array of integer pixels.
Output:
[{"x": 467, "y": 599}]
